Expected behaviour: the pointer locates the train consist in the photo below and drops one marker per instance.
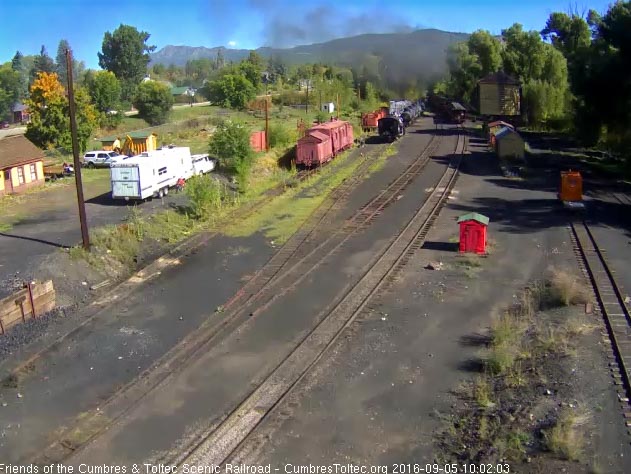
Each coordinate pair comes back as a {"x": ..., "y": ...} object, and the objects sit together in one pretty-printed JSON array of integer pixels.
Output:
[
  {"x": 322, "y": 142},
  {"x": 446, "y": 110}
]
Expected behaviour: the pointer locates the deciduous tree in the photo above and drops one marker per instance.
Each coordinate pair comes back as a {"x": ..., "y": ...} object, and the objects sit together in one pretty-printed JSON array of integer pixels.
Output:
[
  {"x": 230, "y": 90},
  {"x": 153, "y": 101},
  {"x": 10, "y": 88},
  {"x": 50, "y": 124},
  {"x": 125, "y": 52}
]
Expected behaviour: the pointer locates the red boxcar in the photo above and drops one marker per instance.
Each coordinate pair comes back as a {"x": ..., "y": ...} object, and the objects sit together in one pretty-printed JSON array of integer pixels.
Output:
[
  {"x": 339, "y": 132},
  {"x": 322, "y": 142},
  {"x": 370, "y": 121},
  {"x": 313, "y": 149}
]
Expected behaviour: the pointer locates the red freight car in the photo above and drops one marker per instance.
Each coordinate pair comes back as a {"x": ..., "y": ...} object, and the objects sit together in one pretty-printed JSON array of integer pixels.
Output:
[
  {"x": 313, "y": 149},
  {"x": 370, "y": 121},
  {"x": 322, "y": 142},
  {"x": 339, "y": 132}
]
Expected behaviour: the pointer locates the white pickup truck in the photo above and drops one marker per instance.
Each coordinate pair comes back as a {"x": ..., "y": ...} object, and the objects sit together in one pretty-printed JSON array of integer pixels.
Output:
[{"x": 203, "y": 164}]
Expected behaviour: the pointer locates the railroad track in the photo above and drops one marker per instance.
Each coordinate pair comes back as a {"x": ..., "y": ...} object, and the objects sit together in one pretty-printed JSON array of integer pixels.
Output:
[
  {"x": 250, "y": 300},
  {"x": 615, "y": 313},
  {"x": 220, "y": 442}
]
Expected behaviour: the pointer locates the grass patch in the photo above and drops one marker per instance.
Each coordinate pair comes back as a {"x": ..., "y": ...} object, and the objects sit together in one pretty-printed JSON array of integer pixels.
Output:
[
  {"x": 566, "y": 288},
  {"x": 483, "y": 392},
  {"x": 470, "y": 265},
  {"x": 286, "y": 213},
  {"x": 507, "y": 410},
  {"x": 565, "y": 439}
]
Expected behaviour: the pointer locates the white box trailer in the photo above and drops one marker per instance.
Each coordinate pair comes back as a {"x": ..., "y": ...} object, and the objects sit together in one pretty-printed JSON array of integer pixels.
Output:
[{"x": 150, "y": 173}]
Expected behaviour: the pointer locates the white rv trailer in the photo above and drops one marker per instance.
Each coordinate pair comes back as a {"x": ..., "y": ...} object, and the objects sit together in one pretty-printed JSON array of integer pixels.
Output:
[{"x": 150, "y": 173}]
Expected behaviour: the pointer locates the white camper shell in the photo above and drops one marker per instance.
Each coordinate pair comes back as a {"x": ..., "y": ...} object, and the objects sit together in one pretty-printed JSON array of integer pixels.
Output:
[{"x": 151, "y": 173}]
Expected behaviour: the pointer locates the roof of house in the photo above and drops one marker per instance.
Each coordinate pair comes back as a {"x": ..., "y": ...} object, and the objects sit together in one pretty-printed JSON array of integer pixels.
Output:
[
  {"x": 499, "y": 77},
  {"x": 474, "y": 216},
  {"x": 17, "y": 150},
  {"x": 128, "y": 134},
  {"x": 19, "y": 107},
  {"x": 179, "y": 90}
]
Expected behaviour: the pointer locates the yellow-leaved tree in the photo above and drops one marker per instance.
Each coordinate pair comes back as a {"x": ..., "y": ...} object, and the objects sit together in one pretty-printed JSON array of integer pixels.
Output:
[{"x": 50, "y": 117}]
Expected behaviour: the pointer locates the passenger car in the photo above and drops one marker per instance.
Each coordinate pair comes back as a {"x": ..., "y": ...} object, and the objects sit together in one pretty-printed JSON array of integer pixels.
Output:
[{"x": 101, "y": 158}]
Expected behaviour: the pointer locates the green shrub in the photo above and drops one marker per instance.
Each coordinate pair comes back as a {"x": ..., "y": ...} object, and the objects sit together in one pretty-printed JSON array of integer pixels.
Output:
[
  {"x": 231, "y": 144},
  {"x": 205, "y": 194},
  {"x": 281, "y": 136}
]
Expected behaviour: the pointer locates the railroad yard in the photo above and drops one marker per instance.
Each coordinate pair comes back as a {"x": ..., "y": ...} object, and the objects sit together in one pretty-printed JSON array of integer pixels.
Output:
[{"x": 363, "y": 339}]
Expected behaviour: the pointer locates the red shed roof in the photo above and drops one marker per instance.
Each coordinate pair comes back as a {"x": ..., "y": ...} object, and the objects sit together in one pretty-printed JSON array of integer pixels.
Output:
[{"x": 474, "y": 216}]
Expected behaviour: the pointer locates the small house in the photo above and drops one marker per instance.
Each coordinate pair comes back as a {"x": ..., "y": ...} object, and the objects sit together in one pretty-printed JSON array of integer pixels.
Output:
[
  {"x": 500, "y": 95},
  {"x": 509, "y": 144},
  {"x": 473, "y": 233},
  {"x": 21, "y": 165},
  {"x": 20, "y": 113},
  {"x": 183, "y": 95},
  {"x": 329, "y": 107},
  {"x": 134, "y": 143}
]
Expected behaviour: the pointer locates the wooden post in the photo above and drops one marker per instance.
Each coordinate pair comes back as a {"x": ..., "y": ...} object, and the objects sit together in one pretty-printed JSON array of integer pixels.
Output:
[
  {"x": 30, "y": 297},
  {"x": 266, "y": 124},
  {"x": 338, "y": 105},
  {"x": 75, "y": 152}
]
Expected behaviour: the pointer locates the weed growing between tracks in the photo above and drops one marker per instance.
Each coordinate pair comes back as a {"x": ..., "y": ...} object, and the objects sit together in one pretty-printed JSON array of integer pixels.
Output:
[
  {"x": 285, "y": 214},
  {"x": 524, "y": 406}
]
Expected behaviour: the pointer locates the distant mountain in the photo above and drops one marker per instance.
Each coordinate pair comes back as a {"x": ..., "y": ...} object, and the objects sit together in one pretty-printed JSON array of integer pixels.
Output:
[{"x": 402, "y": 59}]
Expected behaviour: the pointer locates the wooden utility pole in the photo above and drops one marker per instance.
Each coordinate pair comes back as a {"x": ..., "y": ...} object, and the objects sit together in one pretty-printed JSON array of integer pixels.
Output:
[
  {"x": 266, "y": 123},
  {"x": 75, "y": 153},
  {"x": 307, "y": 103},
  {"x": 320, "y": 100},
  {"x": 338, "y": 105}
]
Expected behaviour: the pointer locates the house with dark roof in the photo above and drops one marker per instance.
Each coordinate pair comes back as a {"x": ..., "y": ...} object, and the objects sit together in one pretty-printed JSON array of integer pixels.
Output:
[
  {"x": 21, "y": 165},
  {"x": 500, "y": 95},
  {"x": 20, "y": 113}
]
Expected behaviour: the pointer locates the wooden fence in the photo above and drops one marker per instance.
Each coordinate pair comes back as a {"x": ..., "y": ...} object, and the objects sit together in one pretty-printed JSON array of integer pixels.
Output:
[{"x": 33, "y": 300}]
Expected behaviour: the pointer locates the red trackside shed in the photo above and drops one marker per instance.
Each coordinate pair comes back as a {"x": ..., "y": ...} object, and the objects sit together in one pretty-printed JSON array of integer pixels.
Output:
[
  {"x": 473, "y": 233},
  {"x": 313, "y": 149},
  {"x": 258, "y": 141}
]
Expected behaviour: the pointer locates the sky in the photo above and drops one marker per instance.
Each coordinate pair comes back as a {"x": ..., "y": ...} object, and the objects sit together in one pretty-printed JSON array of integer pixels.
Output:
[{"x": 249, "y": 24}]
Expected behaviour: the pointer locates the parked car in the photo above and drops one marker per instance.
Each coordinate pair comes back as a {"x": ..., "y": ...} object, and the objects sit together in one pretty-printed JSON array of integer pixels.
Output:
[
  {"x": 4, "y": 124},
  {"x": 203, "y": 164},
  {"x": 101, "y": 158}
]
